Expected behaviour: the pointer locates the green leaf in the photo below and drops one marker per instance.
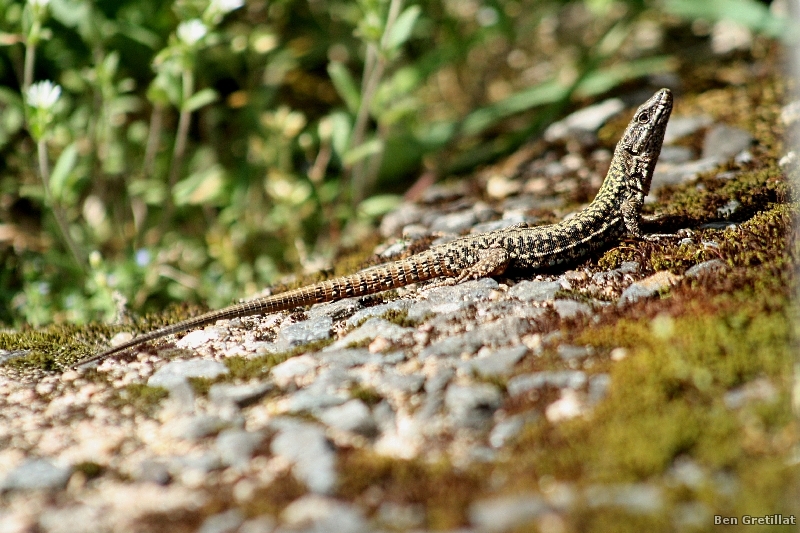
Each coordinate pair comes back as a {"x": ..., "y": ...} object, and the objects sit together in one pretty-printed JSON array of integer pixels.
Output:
[
  {"x": 12, "y": 118},
  {"x": 379, "y": 205},
  {"x": 33, "y": 191},
  {"x": 549, "y": 92},
  {"x": 345, "y": 85},
  {"x": 366, "y": 149},
  {"x": 66, "y": 162},
  {"x": 110, "y": 64},
  {"x": 437, "y": 134},
  {"x": 599, "y": 7},
  {"x": 164, "y": 89},
  {"x": 151, "y": 191},
  {"x": 72, "y": 14},
  {"x": 748, "y": 13},
  {"x": 140, "y": 34},
  {"x": 202, "y": 187},
  {"x": 393, "y": 97},
  {"x": 370, "y": 27},
  {"x": 402, "y": 28},
  {"x": 601, "y": 81},
  {"x": 483, "y": 118},
  {"x": 341, "y": 127},
  {"x": 199, "y": 99}
]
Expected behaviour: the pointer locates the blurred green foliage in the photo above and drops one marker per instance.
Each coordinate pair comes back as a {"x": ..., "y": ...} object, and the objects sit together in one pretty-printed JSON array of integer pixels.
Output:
[{"x": 201, "y": 147}]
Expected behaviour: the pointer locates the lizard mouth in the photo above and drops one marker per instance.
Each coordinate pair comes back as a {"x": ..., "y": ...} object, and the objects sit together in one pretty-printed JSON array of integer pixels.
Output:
[
  {"x": 664, "y": 97},
  {"x": 662, "y": 104}
]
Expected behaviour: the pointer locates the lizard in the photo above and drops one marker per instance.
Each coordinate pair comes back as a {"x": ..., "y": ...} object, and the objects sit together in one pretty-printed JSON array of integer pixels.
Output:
[{"x": 614, "y": 212}]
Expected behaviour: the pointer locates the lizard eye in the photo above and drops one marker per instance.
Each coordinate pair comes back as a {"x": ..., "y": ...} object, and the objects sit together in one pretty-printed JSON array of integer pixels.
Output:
[{"x": 643, "y": 118}]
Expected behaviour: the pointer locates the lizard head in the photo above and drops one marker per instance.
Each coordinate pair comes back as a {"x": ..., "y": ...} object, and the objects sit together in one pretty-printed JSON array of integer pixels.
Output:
[
  {"x": 640, "y": 145},
  {"x": 645, "y": 133}
]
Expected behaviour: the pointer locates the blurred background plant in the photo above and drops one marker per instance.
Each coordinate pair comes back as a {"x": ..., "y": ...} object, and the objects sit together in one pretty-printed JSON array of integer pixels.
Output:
[{"x": 199, "y": 148}]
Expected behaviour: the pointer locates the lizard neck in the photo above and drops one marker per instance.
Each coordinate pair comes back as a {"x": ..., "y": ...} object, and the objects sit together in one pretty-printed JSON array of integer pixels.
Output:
[{"x": 606, "y": 208}]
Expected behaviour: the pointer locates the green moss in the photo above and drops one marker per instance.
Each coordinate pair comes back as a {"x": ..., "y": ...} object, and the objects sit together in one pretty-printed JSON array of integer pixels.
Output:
[
  {"x": 604, "y": 520},
  {"x": 363, "y": 343},
  {"x": 55, "y": 347},
  {"x": 445, "y": 492},
  {"x": 395, "y": 316},
  {"x": 273, "y": 498},
  {"x": 667, "y": 400},
  {"x": 201, "y": 386},
  {"x": 614, "y": 257},
  {"x": 142, "y": 398},
  {"x": 499, "y": 382},
  {"x": 761, "y": 240},
  {"x": 754, "y": 190},
  {"x": 258, "y": 367},
  {"x": 774, "y": 415},
  {"x": 89, "y": 469},
  {"x": 388, "y": 296},
  {"x": 400, "y": 317},
  {"x": 58, "y": 346},
  {"x": 356, "y": 259},
  {"x": 573, "y": 295},
  {"x": 179, "y": 520},
  {"x": 368, "y": 395}
]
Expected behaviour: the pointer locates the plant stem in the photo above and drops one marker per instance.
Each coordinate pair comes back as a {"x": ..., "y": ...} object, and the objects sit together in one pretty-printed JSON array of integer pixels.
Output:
[
  {"x": 30, "y": 59},
  {"x": 373, "y": 69},
  {"x": 184, "y": 120},
  {"x": 363, "y": 175},
  {"x": 61, "y": 220},
  {"x": 138, "y": 207},
  {"x": 183, "y": 129},
  {"x": 153, "y": 137}
]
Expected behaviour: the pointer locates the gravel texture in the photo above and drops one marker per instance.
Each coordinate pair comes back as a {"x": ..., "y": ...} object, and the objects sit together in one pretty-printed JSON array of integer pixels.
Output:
[{"x": 435, "y": 373}]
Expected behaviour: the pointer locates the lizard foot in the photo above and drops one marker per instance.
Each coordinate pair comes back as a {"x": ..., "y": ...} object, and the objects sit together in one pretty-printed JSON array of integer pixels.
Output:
[
  {"x": 445, "y": 282},
  {"x": 517, "y": 225},
  {"x": 655, "y": 237}
]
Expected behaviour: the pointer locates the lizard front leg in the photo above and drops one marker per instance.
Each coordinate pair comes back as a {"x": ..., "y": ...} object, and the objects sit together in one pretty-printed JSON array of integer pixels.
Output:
[
  {"x": 631, "y": 212},
  {"x": 633, "y": 196},
  {"x": 631, "y": 209}
]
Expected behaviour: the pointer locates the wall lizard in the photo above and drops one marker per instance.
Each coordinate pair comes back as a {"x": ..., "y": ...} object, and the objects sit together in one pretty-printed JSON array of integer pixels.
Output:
[{"x": 614, "y": 212}]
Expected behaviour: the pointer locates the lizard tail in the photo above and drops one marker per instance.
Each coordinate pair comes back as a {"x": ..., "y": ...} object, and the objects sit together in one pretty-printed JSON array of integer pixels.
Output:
[{"x": 420, "y": 267}]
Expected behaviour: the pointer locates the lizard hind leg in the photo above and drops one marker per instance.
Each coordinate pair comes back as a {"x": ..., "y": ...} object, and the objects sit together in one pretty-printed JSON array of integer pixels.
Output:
[{"x": 491, "y": 261}]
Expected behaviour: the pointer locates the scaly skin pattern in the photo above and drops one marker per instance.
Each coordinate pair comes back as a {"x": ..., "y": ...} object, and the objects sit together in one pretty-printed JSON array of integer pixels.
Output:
[{"x": 614, "y": 212}]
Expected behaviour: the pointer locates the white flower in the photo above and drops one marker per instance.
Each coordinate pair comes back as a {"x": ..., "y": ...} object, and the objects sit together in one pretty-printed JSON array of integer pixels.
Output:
[
  {"x": 224, "y": 6},
  {"x": 191, "y": 31},
  {"x": 39, "y": 3},
  {"x": 487, "y": 16},
  {"x": 43, "y": 94},
  {"x": 142, "y": 257}
]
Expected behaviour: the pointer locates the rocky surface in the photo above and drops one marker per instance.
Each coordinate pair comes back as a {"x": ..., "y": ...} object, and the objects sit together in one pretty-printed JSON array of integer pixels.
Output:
[{"x": 455, "y": 375}]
